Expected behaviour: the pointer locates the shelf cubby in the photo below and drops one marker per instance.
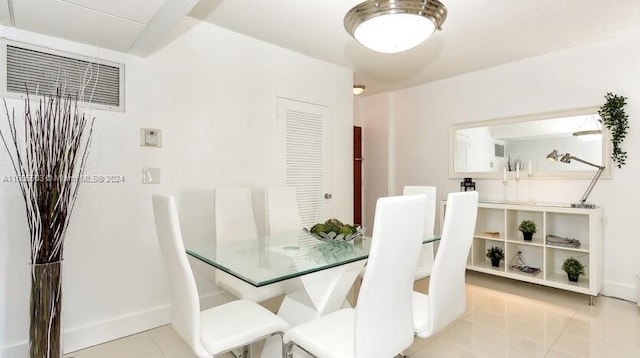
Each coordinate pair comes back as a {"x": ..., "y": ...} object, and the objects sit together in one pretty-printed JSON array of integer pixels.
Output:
[{"x": 497, "y": 225}]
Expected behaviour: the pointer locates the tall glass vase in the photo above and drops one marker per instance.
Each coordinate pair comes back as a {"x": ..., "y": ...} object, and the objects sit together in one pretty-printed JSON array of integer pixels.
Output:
[{"x": 45, "y": 330}]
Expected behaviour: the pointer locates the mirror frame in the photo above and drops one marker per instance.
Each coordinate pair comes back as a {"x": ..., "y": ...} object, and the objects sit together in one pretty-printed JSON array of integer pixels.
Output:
[{"x": 559, "y": 174}]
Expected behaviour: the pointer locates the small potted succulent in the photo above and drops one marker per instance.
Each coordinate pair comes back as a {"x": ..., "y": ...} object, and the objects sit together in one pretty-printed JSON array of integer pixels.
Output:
[
  {"x": 573, "y": 268},
  {"x": 528, "y": 228},
  {"x": 495, "y": 254}
]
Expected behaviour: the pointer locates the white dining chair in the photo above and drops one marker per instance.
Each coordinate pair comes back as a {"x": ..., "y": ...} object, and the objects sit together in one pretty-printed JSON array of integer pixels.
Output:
[
  {"x": 282, "y": 209},
  {"x": 235, "y": 221},
  {"x": 447, "y": 299},
  {"x": 216, "y": 330},
  {"x": 381, "y": 323},
  {"x": 425, "y": 260}
]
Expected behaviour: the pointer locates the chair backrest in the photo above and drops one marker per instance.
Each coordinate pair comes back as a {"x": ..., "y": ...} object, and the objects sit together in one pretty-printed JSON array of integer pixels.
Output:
[
  {"x": 430, "y": 213},
  {"x": 425, "y": 260},
  {"x": 383, "y": 315},
  {"x": 447, "y": 295},
  {"x": 185, "y": 306},
  {"x": 234, "y": 214},
  {"x": 282, "y": 209}
]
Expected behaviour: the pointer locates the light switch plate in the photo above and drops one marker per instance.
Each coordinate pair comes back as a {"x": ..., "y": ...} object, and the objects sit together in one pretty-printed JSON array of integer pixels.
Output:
[
  {"x": 150, "y": 175},
  {"x": 151, "y": 137}
]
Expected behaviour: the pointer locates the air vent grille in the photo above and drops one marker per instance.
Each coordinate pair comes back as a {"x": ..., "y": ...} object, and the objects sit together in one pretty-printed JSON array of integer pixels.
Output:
[{"x": 41, "y": 72}]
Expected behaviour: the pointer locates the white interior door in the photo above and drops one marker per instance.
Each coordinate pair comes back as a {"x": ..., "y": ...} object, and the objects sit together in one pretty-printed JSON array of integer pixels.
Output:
[{"x": 303, "y": 129}]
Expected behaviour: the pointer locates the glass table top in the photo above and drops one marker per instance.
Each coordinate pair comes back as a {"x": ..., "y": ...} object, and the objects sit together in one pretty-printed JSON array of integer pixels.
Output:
[{"x": 276, "y": 258}]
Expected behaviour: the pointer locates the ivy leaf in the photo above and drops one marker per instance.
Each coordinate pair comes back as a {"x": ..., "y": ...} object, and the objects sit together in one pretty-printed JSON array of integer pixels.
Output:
[{"x": 614, "y": 118}]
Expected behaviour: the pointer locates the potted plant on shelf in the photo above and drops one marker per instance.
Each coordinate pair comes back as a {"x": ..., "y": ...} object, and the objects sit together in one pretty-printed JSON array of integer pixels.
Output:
[
  {"x": 528, "y": 228},
  {"x": 495, "y": 254},
  {"x": 573, "y": 268}
]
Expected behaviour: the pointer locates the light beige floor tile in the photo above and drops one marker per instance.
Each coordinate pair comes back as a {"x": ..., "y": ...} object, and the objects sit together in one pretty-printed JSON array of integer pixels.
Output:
[
  {"x": 439, "y": 348},
  {"x": 422, "y": 285},
  {"x": 532, "y": 291},
  {"x": 583, "y": 347},
  {"x": 157, "y": 354},
  {"x": 550, "y": 315},
  {"x": 179, "y": 351},
  {"x": 478, "y": 296},
  {"x": 528, "y": 338},
  {"x": 557, "y": 353},
  {"x": 418, "y": 343},
  {"x": 183, "y": 351},
  {"x": 134, "y": 346},
  {"x": 165, "y": 337},
  {"x": 273, "y": 304},
  {"x": 474, "y": 344},
  {"x": 229, "y": 355},
  {"x": 613, "y": 321},
  {"x": 535, "y": 344}
]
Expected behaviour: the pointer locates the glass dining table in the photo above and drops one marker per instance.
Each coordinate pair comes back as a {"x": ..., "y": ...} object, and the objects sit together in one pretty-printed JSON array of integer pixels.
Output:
[{"x": 317, "y": 275}]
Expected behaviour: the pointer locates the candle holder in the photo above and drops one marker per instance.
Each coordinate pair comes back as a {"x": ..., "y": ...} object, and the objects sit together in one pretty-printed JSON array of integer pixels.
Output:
[
  {"x": 504, "y": 183},
  {"x": 529, "y": 176},
  {"x": 517, "y": 188}
]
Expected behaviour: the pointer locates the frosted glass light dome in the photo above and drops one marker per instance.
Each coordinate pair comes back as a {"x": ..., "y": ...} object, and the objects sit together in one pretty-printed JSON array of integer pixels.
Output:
[
  {"x": 391, "y": 26},
  {"x": 394, "y": 33}
]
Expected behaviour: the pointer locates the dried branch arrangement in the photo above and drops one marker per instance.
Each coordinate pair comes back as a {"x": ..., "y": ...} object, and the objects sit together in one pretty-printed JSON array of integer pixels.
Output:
[{"x": 49, "y": 158}]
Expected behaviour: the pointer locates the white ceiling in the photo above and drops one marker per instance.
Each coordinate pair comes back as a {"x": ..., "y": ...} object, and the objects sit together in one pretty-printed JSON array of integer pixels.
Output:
[
  {"x": 477, "y": 34},
  {"x": 132, "y": 26}
]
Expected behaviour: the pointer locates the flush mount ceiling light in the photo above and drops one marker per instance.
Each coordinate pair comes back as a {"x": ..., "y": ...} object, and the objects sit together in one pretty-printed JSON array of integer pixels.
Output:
[
  {"x": 391, "y": 26},
  {"x": 358, "y": 89}
]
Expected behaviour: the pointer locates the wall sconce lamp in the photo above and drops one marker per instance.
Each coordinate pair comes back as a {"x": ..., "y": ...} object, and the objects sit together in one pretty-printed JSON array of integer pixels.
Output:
[{"x": 566, "y": 158}]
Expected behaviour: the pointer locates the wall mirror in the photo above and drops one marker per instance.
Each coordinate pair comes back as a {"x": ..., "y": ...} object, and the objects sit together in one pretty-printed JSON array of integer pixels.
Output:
[{"x": 488, "y": 149}]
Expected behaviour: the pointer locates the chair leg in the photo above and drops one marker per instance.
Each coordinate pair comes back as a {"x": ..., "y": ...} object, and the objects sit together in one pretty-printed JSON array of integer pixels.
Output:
[
  {"x": 287, "y": 350},
  {"x": 246, "y": 351}
]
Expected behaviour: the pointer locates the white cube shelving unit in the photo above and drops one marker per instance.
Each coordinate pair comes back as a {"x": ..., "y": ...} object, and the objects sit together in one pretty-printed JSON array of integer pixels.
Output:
[{"x": 497, "y": 225}]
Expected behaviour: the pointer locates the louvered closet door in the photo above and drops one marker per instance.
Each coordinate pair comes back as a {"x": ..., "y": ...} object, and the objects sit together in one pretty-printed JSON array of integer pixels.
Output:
[{"x": 305, "y": 156}]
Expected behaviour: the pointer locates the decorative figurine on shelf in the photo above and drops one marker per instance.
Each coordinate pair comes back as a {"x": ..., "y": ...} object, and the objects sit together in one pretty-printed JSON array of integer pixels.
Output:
[
  {"x": 495, "y": 254},
  {"x": 573, "y": 268},
  {"x": 467, "y": 185},
  {"x": 528, "y": 228},
  {"x": 518, "y": 263}
]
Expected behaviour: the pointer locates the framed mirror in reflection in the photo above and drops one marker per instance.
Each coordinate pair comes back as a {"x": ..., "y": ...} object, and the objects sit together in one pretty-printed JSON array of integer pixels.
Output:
[{"x": 497, "y": 148}]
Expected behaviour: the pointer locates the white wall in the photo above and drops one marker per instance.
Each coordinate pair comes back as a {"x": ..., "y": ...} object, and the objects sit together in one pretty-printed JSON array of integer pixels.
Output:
[
  {"x": 213, "y": 93},
  {"x": 573, "y": 78},
  {"x": 374, "y": 112}
]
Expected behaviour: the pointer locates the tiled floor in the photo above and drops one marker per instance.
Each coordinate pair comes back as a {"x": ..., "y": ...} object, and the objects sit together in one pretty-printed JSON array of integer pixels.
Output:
[{"x": 504, "y": 318}]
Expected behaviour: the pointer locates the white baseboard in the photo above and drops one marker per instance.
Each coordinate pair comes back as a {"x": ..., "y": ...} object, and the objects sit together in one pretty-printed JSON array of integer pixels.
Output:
[
  {"x": 615, "y": 289},
  {"x": 19, "y": 350},
  {"x": 100, "y": 332}
]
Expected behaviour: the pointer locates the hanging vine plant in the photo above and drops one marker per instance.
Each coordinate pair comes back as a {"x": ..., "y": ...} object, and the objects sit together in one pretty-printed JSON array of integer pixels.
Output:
[{"x": 613, "y": 116}]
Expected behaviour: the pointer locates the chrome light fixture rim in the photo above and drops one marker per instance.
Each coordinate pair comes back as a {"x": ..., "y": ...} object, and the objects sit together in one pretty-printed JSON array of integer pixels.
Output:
[
  {"x": 433, "y": 10},
  {"x": 587, "y": 132}
]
